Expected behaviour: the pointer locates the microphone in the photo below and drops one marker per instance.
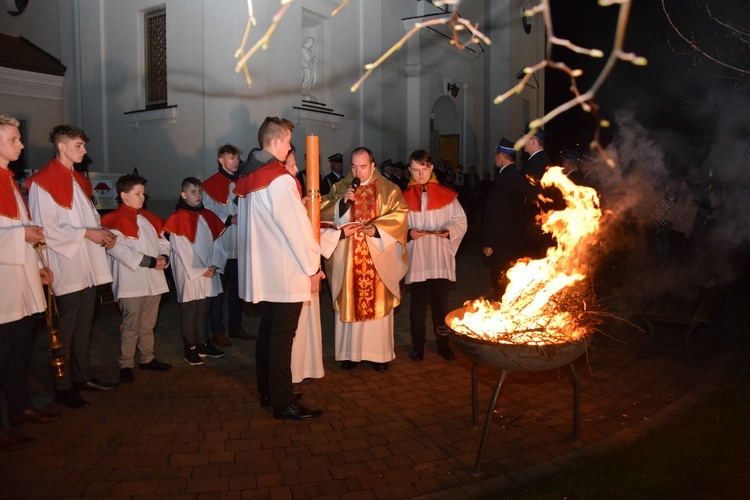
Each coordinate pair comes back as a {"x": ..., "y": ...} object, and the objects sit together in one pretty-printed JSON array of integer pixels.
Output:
[{"x": 355, "y": 184}]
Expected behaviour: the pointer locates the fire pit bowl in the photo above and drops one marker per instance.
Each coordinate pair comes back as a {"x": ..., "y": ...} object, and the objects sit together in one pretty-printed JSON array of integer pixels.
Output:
[{"x": 514, "y": 357}]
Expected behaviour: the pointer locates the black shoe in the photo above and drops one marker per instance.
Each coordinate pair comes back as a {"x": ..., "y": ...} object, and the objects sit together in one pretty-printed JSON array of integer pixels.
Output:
[
  {"x": 208, "y": 350},
  {"x": 155, "y": 365},
  {"x": 239, "y": 333},
  {"x": 32, "y": 415},
  {"x": 295, "y": 411},
  {"x": 417, "y": 353},
  {"x": 95, "y": 385},
  {"x": 10, "y": 441},
  {"x": 446, "y": 352},
  {"x": 380, "y": 367},
  {"x": 126, "y": 375},
  {"x": 70, "y": 398},
  {"x": 192, "y": 356},
  {"x": 349, "y": 365},
  {"x": 265, "y": 400}
]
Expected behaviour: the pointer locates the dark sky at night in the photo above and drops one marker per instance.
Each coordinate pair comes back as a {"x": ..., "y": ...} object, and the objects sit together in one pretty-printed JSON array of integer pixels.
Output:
[{"x": 679, "y": 125}]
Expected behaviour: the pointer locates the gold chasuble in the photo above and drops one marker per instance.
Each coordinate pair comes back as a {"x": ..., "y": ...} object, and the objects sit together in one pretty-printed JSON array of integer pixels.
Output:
[{"x": 365, "y": 276}]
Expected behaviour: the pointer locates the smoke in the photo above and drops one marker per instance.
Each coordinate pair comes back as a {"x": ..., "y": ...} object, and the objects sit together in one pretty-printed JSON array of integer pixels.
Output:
[{"x": 678, "y": 209}]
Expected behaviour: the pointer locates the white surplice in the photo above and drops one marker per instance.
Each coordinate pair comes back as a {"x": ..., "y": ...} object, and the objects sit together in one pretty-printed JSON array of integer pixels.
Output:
[
  {"x": 76, "y": 262},
  {"x": 278, "y": 252},
  {"x": 223, "y": 212},
  {"x": 433, "y": 257},
  {"x": 307, "y": 348},
  {"x": 191, "y": 260},
  {"x": 130, "y": 279},
  {"x": 19, "y": 269}
]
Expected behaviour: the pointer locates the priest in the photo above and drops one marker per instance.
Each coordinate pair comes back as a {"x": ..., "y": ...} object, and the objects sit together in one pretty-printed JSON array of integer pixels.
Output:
[{"x": 368, "y": 263}]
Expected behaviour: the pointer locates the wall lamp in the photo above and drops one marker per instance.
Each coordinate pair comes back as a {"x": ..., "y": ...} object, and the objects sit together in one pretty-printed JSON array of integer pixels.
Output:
[{"x": 453, "y": 89}]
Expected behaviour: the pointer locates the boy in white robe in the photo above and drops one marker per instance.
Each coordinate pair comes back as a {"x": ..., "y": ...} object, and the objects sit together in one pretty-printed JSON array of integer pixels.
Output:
[
  {"x": 196, "y": 257},
  {"x": 279, "y": 263},
  {"x": 18, "y": 266},
  {"x": 60, "y": 201},
  {"x": 138, "y": 260},
  {"x": 437, "y": 224},
  {"x": 218, "y": 197}
]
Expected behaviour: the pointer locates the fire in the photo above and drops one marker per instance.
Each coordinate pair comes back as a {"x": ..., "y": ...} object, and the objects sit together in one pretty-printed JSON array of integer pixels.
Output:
[{"x": 544, "y": 301}]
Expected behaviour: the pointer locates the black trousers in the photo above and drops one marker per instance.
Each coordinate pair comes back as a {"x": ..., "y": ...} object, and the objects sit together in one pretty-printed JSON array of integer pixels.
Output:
[
  {"x": 231, "y": 284},
  {"x": 273, "y": 351},
  {"x": 16, "y": 345},
  {"x": 432, "y": 293},
  {"x": 193, "y": 321},
  {"x": 76, "y": 319}
]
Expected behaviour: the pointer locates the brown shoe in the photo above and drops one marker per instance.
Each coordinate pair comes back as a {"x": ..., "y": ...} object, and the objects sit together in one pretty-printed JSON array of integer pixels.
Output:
[
  {"x": 221, "y": 340},
  {"x": 10, "y": 441},
  {"x": 32, "y": 415},
  {"x": 241, "y": 334}
]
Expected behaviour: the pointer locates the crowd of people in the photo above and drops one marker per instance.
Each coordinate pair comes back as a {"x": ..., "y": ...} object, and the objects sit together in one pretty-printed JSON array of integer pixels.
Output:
[{"x": 244, "y": 234}]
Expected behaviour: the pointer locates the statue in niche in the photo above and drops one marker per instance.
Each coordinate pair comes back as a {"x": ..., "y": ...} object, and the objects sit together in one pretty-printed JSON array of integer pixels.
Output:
[{"x": 309, "y": 73}]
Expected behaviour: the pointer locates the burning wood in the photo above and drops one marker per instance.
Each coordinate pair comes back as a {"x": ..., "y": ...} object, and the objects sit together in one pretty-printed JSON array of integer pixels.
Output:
[{"x": 547, "y": 300}]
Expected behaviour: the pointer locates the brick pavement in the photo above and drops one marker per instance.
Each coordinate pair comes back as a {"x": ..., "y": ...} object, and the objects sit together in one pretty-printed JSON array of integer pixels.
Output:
[{"x": 406, "y": 433}]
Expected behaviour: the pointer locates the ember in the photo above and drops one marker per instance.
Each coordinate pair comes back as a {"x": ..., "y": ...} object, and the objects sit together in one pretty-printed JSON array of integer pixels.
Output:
[{"x": 546, "y": 300}]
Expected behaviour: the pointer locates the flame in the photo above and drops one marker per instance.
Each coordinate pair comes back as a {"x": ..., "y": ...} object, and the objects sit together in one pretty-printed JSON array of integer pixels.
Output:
[{"x": 530, "y": 311}]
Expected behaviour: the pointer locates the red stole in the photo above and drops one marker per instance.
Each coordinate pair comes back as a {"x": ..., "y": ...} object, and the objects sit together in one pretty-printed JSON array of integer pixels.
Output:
[
  {"x": 366, "y": 280},
  {"x": 125, "y": 220},
  {"x": 438, "y": 195},
  {"x": 261, "y": 178},
  {"x": 57, "y": 180},
  {"x": 217, "y": 187},
  {"x": 185, "y": 223},
  {"x": 8, "y": 190}
]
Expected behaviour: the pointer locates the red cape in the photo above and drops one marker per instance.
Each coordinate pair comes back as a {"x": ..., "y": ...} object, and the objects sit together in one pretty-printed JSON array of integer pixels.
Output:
[
  {"x": 217, "y": 187},
  {"x": 125, "y": 220},
  {"x": 57, "y": 180},
  {"x": 185, "y": 223},
  {"x": 261, "y": 178},
  {"x": 438, "y": 195},
  {"x": 8, "y": 188}
]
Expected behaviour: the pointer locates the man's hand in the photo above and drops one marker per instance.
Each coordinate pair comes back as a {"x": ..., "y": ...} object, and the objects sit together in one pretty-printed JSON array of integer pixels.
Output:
[
  {"x": 368, "y": 229},
  {"x": 103, "y": 237},
  {"x": 234, "y": 220},
  {"x": 415, "y": 233},
  {"x": 487, "y": 251},
  {"x": 443, "y": 233},
  {"x": 46, "y": 274},
  {"x": 315, "y": 281},
  {"x": 349, "y": 195},
  {"x": 211, "y": 272},
  {"x": 161, "y": 263},
  {"x": 350, "y": 230},
  {"x": 33, "y": 234}
]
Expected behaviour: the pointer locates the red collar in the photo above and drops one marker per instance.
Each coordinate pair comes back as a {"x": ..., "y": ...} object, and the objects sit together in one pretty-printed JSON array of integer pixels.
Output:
[
  {"x": 217, "y": 187},
  {"x": 125, "y": 220},
  {"x": 185, "y": 223},
  {"x": 438, "y": 195},
  {"x": 261, "y": 178},
  {"x": 8, "y": 188},
  {"x": 57, "y": 180}
]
